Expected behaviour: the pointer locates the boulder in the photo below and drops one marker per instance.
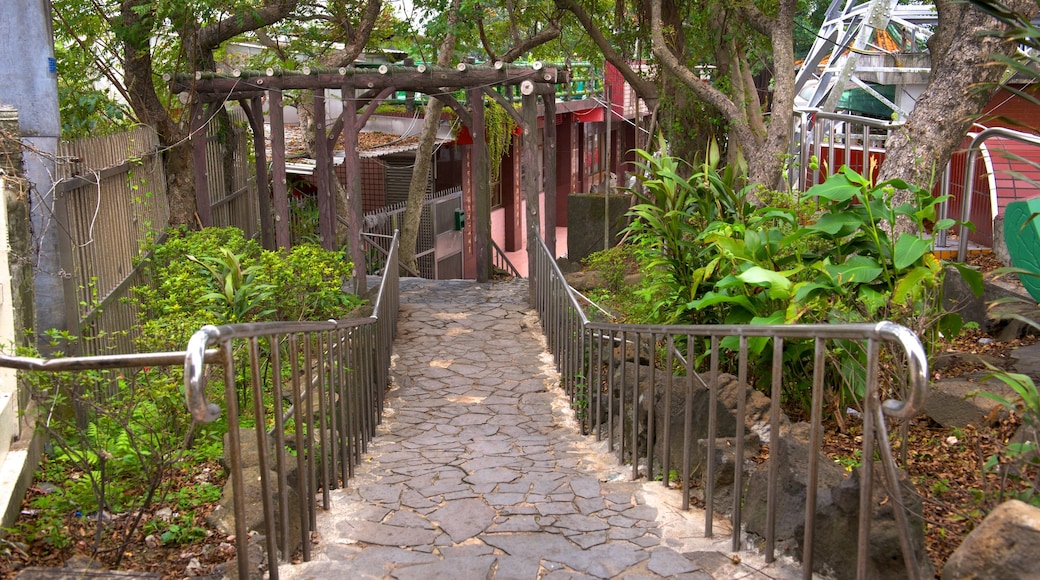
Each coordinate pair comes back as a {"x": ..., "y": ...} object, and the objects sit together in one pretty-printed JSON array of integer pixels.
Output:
[
  {"x": 223, "y": 516},
  {"x": 1000, "y": 319},
  {"x": 669, "y": 417},
  {"x": 837, "y": 513},
  {"x": 1004, "y": 546},
  {"x": 1027, "y": 361},
  {"x": 586, "y": 280},
  {"x": 956, "y": 402}
]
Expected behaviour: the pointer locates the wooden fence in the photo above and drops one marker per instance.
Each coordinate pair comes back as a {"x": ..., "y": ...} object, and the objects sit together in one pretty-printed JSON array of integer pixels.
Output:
[{"x": 110, "y": 200}]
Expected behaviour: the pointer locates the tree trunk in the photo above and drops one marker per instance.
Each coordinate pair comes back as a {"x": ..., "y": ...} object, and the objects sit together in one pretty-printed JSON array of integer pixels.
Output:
[
  {"x": 421, "y": 173},
  {"x": 138, "y": 22},
  {"x": 963, "y": 80},
  {"x": 764, "y": 153},
  {"x": 420, "y": 179},
  {"x": 180, "y": 185}
]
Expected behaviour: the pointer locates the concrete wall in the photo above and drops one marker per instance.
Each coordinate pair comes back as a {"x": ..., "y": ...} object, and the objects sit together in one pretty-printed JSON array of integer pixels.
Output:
[
  {"x": 19, "y": 449},
  {"x": 585, "y": 229}
]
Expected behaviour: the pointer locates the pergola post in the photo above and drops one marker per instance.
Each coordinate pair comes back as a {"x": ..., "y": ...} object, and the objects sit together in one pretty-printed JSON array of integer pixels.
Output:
[
  {"x": 197, "y": 128},
  {"x": 254, "y": 110},
  {"x": 322, "y": 174},
  {"x": 352, "y": 169},
  {"x": 549, "y": 165},
  {"x": 514, "y": 207},
  {"x": 529, "y": 178},
  {"x": 481, "y": 186},
  {"x": 278, "y": 186}
]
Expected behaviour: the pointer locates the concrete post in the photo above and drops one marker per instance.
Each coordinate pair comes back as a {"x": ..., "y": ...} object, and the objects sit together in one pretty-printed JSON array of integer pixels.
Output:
[{"x": 29, "y": 82}]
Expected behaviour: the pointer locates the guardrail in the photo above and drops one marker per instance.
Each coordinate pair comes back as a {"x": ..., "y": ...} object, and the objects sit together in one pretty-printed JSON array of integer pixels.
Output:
[
  {"x": 969, "y": 177},
  {"x": 501, "y": 261},
  {"x": 327, "y": 382},
  {"x": 596, "y": 353},
  {"x": 333, "y": 374}
]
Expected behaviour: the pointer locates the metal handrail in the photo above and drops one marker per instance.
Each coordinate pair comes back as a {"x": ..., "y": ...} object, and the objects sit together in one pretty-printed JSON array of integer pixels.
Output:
[
  {"x": 337, "y": 397},
  {"x": 969, "y": 177},
  {"x": 335, "y": 373},
  {"x": 502, "y": 261},
  {"x": 585, "y": 352}
]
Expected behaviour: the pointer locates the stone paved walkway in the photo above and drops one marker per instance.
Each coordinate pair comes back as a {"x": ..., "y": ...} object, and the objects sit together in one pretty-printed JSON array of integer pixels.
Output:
[{"x": 478, "y": 470}]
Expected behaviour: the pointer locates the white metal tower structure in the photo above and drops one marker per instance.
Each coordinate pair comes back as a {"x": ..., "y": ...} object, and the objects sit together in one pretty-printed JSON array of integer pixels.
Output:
[{"x": 847, "y": 54}]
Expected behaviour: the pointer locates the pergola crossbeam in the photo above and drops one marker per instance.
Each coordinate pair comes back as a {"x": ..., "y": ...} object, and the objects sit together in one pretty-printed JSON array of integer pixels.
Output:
[{"x": 202, "y": 90}]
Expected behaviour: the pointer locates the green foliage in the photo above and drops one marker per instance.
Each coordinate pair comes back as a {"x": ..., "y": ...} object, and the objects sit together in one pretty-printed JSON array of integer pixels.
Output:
[
  {"x": 236, "y": 294},
  {"x": 115, "y": 438},
  {"x": 824, "y": 257},
  {"x": 88, "y": 112},
  {"x": 1020, "y": 459},
  {"x": 184, "y": 528},
  {"x": 613, "y": 264},
  {"x": 669, "y": 218},
  {"x": 308, "y": 283},
  {"x": 498, "y": 130},
  {"x": 216, "y": 276},
  {"x": 119, "y": 436}
]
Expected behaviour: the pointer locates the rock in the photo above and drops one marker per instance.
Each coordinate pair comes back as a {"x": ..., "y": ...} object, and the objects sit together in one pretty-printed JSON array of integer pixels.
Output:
[
  {"x": 1015, "y": 319},
  {"x": 1027, "y": 361},
  {"x": 586, "y": 280},
  {"x": 80, "y": 562},
  {"x": 1000, "y": 249},
  {"x": 165, "y": 514},
  {"x": 793, "y": 453},
  {"x": 956, "y": 402},
  {"x": 223, "y": 516},
  {"x": 670, "y": 416},
  {"x": 257, "y": 558},
  {"x": 566, "y": 266},
  {"x": 1004, "y": 546},
  {"x": 248, "y": 451},
  {"x": 837, "y": 513},
  {"x": 957, "y": 297},
  {"x": 634, "y": 280}
]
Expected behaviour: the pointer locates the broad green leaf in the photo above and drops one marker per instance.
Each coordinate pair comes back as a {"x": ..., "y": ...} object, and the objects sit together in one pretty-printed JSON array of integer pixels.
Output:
[
  {"x": 836, "y": 224},
  {"x": 909, "y": 248},
  {"x": 712, "y": 298},
  {"x": 758, "y": 275},
  {"x": 778, "y": 284},
  {"x": 854, "y": 177},
  {"x": 908, "y": 287},
  {"x": 756, "y": 344},
  {"x": 855, "y": 270},
  {"x": 943, "y": 224},
  {"x": 896, "y": 183},
  {"x": 950, "y": 324},
  {"x": 971, "y": 277},
  {"x": 807, "y": 290},
  {"x": 872, "y": 299},
  {"x": 836, "y": 188},
  {"x": 729, "y": 281}
]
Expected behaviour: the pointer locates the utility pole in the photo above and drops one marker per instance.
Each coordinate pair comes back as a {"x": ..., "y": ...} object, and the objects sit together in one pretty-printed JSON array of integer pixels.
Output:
[{"x": 29, "y": 82}]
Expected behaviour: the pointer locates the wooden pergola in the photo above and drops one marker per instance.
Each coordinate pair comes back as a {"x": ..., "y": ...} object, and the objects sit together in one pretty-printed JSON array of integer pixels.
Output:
[{"x": 362, "y": 90}]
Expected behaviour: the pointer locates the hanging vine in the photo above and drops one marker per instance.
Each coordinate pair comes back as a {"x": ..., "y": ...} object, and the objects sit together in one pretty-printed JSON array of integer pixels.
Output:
[{"x": 498, "y": 130}]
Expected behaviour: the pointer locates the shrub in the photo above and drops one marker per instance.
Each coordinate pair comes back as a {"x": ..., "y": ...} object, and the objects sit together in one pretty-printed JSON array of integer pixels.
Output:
[
  {"x": 722, "y": 261},
  {"x": 216, "y": 276}
]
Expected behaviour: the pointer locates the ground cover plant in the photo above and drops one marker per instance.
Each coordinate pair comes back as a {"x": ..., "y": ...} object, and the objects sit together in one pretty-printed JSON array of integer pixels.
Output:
[{"x": 127, "y": 478}]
